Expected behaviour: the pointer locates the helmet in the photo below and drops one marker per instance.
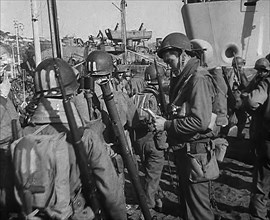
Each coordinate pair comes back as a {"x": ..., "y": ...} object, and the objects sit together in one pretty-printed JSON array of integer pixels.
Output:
[
  {"x": 46, "y": 82},
  {"x": 238, "y": 61},
  {"x": 150, "y": 74},
  {"x": 262, "y": 64},
  {"x": 99, "y": 63},
  {"x": 205, "y": 52},
  {"x": 176, "y": 41}
]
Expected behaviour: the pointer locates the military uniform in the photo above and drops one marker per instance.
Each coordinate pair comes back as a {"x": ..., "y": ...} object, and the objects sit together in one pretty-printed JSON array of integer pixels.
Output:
[
  {"x": 106, "y": 176},
  {"x": 50, "y": 118},
  {"x": 151, "y": 147},
  {"x": 192, "y": 93},
  {"x": 135, "y": 84},
  {"x": 127, "y": 114},
  {"x": 238, "y": 83},
  {"x": 7, "y": 114},
  {"x": 258, "y": 105}
]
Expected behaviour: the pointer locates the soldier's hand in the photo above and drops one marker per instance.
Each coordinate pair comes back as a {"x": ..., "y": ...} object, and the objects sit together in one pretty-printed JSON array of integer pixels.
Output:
[{"x": 159, "y": 123}]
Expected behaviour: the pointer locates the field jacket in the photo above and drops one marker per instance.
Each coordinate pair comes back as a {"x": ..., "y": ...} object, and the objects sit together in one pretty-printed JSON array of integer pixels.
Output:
[{"x": 192, "y": 91}]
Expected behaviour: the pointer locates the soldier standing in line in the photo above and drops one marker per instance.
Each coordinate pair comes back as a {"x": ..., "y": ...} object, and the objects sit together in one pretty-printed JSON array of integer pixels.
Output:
[
  {"x": 151, "y": 144},
  {"x": 119, "y": 82},
  {"x": 191, "y": 96},
  {"x": 49, "y": 118},
  {"x": 136, "y": 83},
  {"x": 238, "y": 82},
  {"x": 257, "y": 103},
  {"x": 100, "y": 66}
]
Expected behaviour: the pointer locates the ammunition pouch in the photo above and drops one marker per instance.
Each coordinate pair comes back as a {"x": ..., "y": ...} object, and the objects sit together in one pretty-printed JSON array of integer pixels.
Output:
[
  {"x": 221, "y": 145},
  {"x": 202, "y": 166}
]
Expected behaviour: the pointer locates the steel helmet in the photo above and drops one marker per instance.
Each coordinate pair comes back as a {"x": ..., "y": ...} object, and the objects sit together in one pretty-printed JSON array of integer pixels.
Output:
[
  {"x": 45, "y": 78},
  {"x": 150, "y": 74},
  {"x": 176, "y": 41},
  {"x": 99, "y": 63},
  {"x": 238, "y": 61},
  {"x": 262, "y": 64}
]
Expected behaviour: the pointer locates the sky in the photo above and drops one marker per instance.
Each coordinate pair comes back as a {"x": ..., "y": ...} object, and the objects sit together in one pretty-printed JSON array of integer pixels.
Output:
[{"x": 82, "y": 18}]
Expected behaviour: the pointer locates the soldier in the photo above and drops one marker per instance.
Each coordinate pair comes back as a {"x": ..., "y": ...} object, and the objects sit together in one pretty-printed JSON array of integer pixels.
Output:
[
  {"x": 238, "y": 79},
  {"x": 257, "y": 103},
  {"x": 238, "y": 82},
  {"x": 191, "y": 119},
  {"x": 100, "y": 66},
  {"x": 151, "y": 144},
  {"x": 49, "y": 118},
  {"x": 119, "y": 82},
  {"x": 7, "y": 114},
  {"x": 136, "y": 83}
]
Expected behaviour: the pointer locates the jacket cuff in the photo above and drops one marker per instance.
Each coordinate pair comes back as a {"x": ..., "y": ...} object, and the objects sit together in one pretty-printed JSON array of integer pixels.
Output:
[{"x": 167, "y": 125}]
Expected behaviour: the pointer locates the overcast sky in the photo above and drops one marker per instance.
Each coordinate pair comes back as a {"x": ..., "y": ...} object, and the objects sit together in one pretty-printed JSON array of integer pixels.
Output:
[{"x": 82, "y": 18}]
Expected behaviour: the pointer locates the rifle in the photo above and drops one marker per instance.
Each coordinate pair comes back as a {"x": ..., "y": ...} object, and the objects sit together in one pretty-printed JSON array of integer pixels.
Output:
[
  {"x": 163, "y": 104},
  {"x": 89, "y": 188},
  {"x": 87, "y": 178},
  {"x": 125, "y": 151}
]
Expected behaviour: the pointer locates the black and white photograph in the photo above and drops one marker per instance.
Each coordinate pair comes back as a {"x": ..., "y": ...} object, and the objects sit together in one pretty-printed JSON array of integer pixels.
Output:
[{"x": 135, "y": 110}]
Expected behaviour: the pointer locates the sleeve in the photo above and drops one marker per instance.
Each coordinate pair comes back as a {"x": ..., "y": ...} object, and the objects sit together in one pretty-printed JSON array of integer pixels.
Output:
[
  {"x": 3, "y": 103},
  {"x": 258, "y": 96},
  {"x": 199, "y": 117},
  {"x": 108, "y": 182}
]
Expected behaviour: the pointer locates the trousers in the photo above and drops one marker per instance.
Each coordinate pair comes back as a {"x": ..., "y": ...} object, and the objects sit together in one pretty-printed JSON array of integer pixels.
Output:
[
  {"x": 153, "y": 161},
  {"x": 194, "y": 197},
  {"x": 261, "y": 182}
]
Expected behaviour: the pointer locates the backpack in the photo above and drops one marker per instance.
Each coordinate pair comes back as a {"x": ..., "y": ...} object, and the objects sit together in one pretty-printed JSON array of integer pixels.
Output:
[
  {"x": 41, "y": 164},
  {"x": 146, "y": 99}
]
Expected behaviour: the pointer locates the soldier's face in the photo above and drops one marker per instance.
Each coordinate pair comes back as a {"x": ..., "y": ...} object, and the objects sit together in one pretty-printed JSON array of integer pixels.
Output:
[
  {"x": 172, "y": 59},
  {"x": 120, "y": 76}
]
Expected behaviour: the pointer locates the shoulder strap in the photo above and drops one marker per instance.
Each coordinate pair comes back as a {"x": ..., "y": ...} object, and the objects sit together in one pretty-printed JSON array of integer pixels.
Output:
[
  {"x": 153, "y": 91},
  {"x": 40, "y": 129},
  {"x": 181, "y": 89}
]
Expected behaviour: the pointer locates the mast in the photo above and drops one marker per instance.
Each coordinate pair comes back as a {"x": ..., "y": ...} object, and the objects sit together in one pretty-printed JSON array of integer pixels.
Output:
[
  {"x": 54, "y": 29},
  {"x": 123, "y": 29},
  {"x": 18, "y": 25},
  {"x": 34, "y": 13}
]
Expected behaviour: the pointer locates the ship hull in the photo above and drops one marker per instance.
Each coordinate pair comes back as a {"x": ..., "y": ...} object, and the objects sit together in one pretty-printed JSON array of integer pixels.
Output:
[{"x": 231, "y": 28}]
